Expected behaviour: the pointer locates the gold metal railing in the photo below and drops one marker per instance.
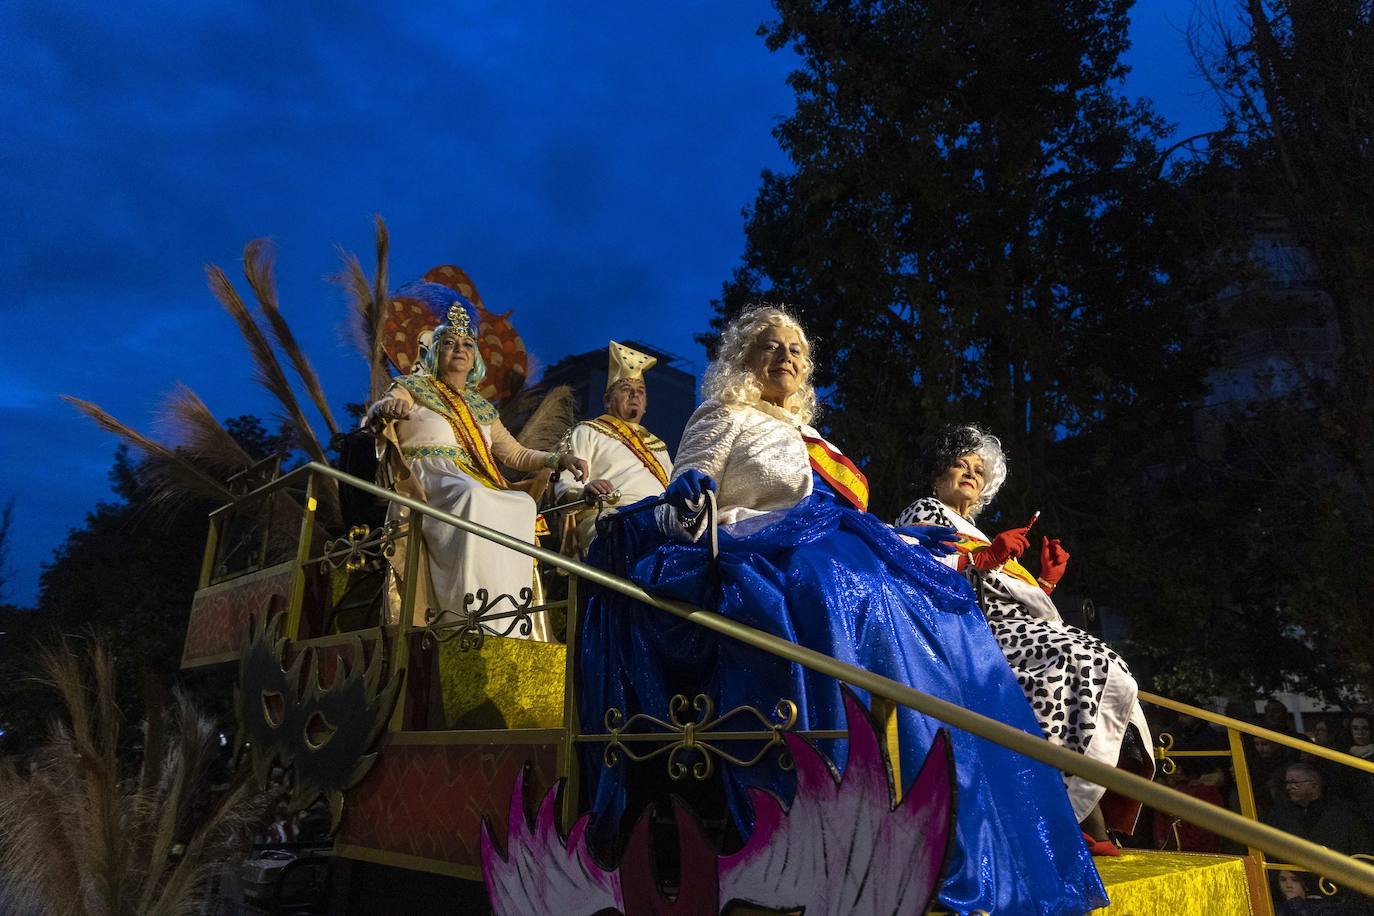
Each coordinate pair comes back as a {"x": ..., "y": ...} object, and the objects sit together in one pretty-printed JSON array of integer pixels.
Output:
[
  {"x": 1246, "y": 830},
  {"x": 1240, "y": 766},
  {"x": 1258, "y": 731}
]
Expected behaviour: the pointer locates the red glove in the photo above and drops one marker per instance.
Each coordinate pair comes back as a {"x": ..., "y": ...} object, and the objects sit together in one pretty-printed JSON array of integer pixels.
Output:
[
  {"x": 1053, "y": 560},
  {"x": 1006, "y": 546}
]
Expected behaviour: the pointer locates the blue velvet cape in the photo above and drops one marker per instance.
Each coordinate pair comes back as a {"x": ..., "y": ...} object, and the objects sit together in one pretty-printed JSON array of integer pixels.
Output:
[{"x": 839, "y": 581}]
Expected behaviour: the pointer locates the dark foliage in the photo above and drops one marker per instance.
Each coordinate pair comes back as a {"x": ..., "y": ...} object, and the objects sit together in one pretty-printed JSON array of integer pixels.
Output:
[
  {"x": 1295, "y": 80},
  {"x": 978, "y": 228}
]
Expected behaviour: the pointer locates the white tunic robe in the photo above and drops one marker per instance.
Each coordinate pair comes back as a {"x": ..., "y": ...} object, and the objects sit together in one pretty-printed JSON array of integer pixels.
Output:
[
  {"x": 756, "y": 455},
  {"x": 609, "y": 459}
]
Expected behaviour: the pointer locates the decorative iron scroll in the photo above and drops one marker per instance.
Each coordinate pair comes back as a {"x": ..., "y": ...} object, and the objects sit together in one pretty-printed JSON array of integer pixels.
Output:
[
  {"x": 472, "y": 626},
  {"x": 1164, "y": 743},
  {"x": 1329, "y": 887},
  {"x": 700, "y": 736},
  {"x": 353, "y": 550}
]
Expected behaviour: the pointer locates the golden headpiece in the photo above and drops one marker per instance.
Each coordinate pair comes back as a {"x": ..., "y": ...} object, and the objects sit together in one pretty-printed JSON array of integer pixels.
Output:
[
  {"x": 626, "y": 363},
  {"x": 459, "y": 321}
]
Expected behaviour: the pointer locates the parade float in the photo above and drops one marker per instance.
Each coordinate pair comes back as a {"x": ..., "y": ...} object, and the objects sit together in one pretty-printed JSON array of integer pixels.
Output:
[{"x": 441, "y": 746}]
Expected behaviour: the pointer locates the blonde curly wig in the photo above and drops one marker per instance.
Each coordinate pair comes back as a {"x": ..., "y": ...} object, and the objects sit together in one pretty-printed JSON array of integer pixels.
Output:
[{"x": 729, "y": 378}]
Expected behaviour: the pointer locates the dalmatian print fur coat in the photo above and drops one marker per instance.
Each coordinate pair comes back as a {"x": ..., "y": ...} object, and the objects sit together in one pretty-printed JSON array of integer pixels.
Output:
[{"x": 1081, "y": 691}]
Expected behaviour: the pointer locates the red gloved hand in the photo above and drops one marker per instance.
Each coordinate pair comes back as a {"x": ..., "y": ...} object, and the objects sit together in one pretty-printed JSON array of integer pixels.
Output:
[
  {"x": 1053, "y": 560},
  {"x": 1006, "y": 546}
]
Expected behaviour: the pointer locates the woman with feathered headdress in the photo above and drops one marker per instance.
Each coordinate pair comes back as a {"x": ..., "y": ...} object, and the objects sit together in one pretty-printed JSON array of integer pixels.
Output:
[{"x": 453, "y": 442}]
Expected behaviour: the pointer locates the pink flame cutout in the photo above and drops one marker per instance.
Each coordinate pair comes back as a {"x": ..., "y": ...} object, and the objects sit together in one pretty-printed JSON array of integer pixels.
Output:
[
  {"x": 842, "y": 848},
  {"x": 542, "y": 872}
]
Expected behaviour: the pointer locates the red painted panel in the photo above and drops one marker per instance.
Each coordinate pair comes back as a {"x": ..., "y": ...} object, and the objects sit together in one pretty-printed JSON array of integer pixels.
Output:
[
  {"x": 219, "y": 614},
  {"x": 428, "y": 800}
]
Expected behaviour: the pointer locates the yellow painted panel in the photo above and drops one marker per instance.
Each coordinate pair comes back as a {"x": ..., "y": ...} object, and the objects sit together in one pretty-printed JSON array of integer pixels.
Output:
[
  {"x": 1174, "y": 884},
  {"x": 520, "y": 679}
]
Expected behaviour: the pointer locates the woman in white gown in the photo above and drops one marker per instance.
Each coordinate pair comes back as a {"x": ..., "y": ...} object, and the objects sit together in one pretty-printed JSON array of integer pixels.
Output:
[
  {"x": 801, "y": 558},
  {"x": 451, "y": 440}
]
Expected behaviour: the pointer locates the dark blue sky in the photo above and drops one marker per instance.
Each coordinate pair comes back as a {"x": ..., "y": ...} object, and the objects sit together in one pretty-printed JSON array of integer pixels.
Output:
[{"x": 586, "y": 167}]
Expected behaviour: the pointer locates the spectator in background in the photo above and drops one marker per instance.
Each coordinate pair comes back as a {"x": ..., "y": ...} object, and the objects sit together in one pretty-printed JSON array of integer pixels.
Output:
[
  {"x": 1298, "y": 895},
  {"x": 1361, "y": 739},
  {"x": 1204, "y": 778},
  {"x": 1305, "y": 811},
  {"x": 1268, "y": 762},
  {"x": 1267, "y": 759},
  {"x": 1339, "y": 780},
  {"x": 1278, "y": 719},
  {"x": 1239, "y": 709},
  {"x": 1361, "y": 785}
]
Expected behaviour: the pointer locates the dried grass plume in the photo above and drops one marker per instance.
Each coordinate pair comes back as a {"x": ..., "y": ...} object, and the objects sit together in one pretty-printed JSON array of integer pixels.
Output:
[
  {"x": 258, "y": 262},
  {"x": 82, "y": 835}
]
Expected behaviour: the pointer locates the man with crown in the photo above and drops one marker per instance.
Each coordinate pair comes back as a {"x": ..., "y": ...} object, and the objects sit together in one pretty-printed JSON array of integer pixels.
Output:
[
  {"x": 450, "y": 440},
  {"x": 621, "y": 454}
]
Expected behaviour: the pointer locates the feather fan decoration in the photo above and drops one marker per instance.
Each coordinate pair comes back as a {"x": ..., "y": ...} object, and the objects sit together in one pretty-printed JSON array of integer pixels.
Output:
[
  {"x": 352, "y": 279},
  {"x": 170, "y": 474},
  {"x": 550, "y": 421},
  {"x": 202, "y": 436},
  {"x": 267, "y": 369},
  {"x": 258, "y": 262},
  {"x": 175, "y": 475},
  {"x": 380, "y": 279},
  {"x": 368, "y": 300},
  {"x": 269, "y": 373}
]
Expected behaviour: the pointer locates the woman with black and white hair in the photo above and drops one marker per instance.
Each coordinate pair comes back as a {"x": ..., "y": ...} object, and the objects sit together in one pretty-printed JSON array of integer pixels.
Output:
[
  {"x": 800, "y": 557},
  {"x": 1082, "y": 692}
]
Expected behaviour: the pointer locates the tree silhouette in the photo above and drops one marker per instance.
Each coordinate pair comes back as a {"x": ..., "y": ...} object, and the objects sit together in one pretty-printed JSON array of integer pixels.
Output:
[
  {"x": 976, "y": 229},
  {"x": 977, "y": 226},
  {"x": 127, "y": 575}
]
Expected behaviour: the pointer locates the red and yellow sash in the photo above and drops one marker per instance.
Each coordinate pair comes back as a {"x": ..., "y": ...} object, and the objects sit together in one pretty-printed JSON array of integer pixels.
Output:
[
  {"x": 968, "y": 546},
  {"x": 469, "y": 436},
  {"x": 630, "y": 437},
  {"x": 838, "y": 471}
]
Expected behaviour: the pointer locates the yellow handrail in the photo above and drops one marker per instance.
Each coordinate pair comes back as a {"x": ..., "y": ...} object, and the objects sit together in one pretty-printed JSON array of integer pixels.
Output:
[
  {"x": 1241, "y": 770},
  {"x": 1345, "y": 869},
  {"x": 1307, "y": 747}
]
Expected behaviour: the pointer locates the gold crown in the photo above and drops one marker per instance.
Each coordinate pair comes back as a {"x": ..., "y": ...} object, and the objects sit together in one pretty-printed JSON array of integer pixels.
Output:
[{"x": 459, "y": 321}]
